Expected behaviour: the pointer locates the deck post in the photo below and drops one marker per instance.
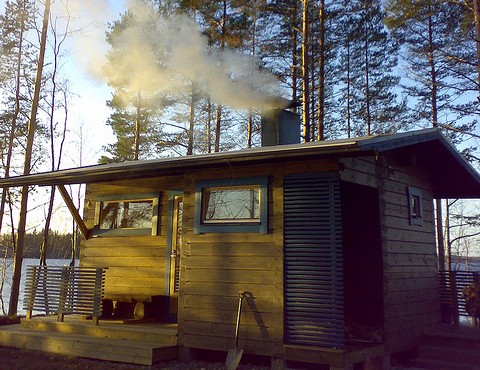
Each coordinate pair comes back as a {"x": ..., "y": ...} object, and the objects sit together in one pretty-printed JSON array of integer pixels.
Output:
[
  {"x": 185, "y": 354},
  {"x": 372, "y": 362},
  {"x": 277, "y": 363}
]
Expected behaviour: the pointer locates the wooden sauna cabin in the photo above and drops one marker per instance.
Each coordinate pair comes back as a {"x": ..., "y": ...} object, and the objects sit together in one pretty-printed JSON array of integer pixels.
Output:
[{"x": 332, "y": 242}]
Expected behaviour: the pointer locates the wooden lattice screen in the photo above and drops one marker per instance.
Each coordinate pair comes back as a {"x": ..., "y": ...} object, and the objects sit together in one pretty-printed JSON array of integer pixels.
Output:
[
  {"x": 64, "y": 290},
  {"x": 452, "y": 286}
]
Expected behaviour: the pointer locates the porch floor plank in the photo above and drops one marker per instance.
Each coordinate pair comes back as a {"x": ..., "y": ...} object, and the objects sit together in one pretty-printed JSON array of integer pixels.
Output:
[{"x": 142, "y": 344}]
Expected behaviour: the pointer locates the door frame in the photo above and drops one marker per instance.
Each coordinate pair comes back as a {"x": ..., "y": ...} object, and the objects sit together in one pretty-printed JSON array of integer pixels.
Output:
[{"x": 171, "y": 194}]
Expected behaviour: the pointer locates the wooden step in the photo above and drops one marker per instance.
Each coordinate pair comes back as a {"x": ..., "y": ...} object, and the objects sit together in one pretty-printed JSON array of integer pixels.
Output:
[
  {"x": 428, "y": 363},
  {"x": 448, "y": 347},
  {"x": 466, "y": 355},
  {"x": 160, "y": 334},
  {"x": 79, "y": 345},
  {"x": 454, "y": 337}
]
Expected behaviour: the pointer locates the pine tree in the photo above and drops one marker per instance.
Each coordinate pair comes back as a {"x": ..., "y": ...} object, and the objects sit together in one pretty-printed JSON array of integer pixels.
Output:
[
  {"x": 136, "y": 109},
  {"x": 439, "y": 79},
  {"x": 367, "y": 61},
  {"x": 426, "y": 28}
]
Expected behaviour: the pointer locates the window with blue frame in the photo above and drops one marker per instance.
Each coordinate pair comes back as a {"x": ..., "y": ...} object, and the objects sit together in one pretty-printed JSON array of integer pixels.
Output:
[
  {"x": 415, "y": 209},
  {"x": 231, "y": 205}
]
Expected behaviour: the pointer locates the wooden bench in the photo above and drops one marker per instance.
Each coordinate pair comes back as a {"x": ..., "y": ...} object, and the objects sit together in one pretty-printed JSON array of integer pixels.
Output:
[{"x": 64, "y": 290}]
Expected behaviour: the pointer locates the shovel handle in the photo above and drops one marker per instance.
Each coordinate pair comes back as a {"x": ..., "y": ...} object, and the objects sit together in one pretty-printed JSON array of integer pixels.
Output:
[{"x": 241, "y": 296}]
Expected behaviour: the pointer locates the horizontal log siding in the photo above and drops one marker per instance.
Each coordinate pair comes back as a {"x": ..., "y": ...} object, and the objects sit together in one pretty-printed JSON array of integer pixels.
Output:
[
  {"x": 136, "y": 264},
  {"x": 411, "y": 300},
  {"x": 215, "y": 267},
  {"x": 410, "y": 259}
]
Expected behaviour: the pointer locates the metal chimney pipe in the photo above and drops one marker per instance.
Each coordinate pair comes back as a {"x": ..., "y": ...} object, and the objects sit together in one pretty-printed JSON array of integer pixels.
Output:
[{"x": 280, "y": 126}]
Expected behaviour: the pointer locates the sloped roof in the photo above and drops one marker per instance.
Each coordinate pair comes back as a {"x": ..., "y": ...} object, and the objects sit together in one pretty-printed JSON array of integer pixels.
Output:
[{"x": 453, "y": 175}]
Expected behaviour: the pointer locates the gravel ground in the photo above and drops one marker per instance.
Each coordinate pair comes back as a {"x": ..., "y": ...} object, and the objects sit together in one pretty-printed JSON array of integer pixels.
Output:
[{"x": 19, "y": 359}]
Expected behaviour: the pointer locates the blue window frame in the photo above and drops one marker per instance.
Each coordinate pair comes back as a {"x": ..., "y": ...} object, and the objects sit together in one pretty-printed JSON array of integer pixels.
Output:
[
  {"x": 232, "y": 205},
  {"x": 415, "y": 209}
]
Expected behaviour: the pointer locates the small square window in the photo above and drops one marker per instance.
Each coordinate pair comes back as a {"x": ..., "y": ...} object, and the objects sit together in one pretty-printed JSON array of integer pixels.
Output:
[
  {"x": 415, "y": 209},
  {"x": 231, "y": 205}
]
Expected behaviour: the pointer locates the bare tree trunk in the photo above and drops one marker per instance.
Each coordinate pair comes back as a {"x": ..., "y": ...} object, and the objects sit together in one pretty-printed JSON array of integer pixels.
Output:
[
  {"x": 191, "y": 121},
  {"x": 218, "y": 117},
  {"x": 249, "y": 128},
  {"x": 305, "y": 73},
  {"x": 347, "y": 113},
  {"x": 440, "y": 240},
  {"x": 32, "y": 125},
  {"x": 433, "y": 74},
  {"x": 321, "y": 74},
  {"x": 208, "y": 128},
  {"x": 218, "y": 120},
  {"x": 433, "y": 100},
  {"x": 476, "y": 16},
  {"x": 138, "y": 118},
  {"x": 447, "y": 232},
  {"x": 57, "y": 47},
  {"x": 13, "y": 128},
  {"x": 79, "y": 198},
  {"x": 367, "y": 76},
  {"x": 252, "y": 66},
  {"x": 294, "y": 55}
]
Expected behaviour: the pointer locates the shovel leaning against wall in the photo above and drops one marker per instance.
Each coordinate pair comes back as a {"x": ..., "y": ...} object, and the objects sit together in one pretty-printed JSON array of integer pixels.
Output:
[{"x": 235, "y": 355}]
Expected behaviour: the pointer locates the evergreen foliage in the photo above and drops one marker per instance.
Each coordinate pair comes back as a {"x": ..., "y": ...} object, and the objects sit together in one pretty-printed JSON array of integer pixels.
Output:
[{"x": 60, "y": 245}]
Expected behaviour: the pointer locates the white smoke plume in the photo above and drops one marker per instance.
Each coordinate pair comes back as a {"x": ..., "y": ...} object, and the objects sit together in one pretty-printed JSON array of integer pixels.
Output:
[
  {"x": 89, "y": 20},
  {"x": 163, "y": 55}
]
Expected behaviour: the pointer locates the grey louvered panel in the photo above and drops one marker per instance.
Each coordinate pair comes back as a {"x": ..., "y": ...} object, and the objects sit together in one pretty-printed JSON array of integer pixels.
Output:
[{"x": 314, "y": 290}]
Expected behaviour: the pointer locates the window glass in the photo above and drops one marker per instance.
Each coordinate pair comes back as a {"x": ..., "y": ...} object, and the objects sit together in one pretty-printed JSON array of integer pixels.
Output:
[
  {"x": 415, "y": 206},
  {"x": 415, "y": 211},
  {"x": 236, "y": 204},
  {"x": 231, "y": 205},
  {"x": 132, "y": 214}
]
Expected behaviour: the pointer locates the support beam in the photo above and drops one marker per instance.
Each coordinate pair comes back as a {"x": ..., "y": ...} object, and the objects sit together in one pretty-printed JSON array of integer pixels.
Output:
[{"x": 73, "y": 210}]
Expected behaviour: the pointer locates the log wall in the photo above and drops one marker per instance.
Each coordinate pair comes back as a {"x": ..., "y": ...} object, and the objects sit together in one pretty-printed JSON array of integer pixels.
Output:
[
  {"x": 136, "y": 264},
  {"x": 411, "y": 300},
  {"x": 410, "y": 257},
  {"x": 216, "y": 266}
]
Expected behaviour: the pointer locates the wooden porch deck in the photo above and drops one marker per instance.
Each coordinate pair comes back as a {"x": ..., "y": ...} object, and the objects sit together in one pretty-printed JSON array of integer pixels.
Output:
[
  {"x": 449, "y": 347},
  {"x": 137, "y": 343}
]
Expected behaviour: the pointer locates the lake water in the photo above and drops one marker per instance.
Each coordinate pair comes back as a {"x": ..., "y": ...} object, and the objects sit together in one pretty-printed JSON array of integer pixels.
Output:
[{"x": 8, "y": 280}]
